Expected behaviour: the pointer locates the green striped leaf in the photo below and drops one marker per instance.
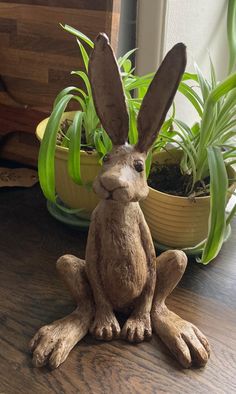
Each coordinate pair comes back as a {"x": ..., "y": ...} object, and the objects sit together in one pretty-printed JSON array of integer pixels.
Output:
[
  {"x": 67, "y": 90},
  {"x": 189, "y": 76},
  {"x": 106, "y": 140},
  {"x": 46, "y": 165},
  {"x": 123, "y": 59},
  {"x": 84, "y": 77},
  {"x": 192, "y": 96},
  {"x": 213, "y": 74},
  {"x": 100, "y": 147},
  {"x": 133, "y": 131},
  {"x": 203, "y": 83},
  {"x": 74, "y": 148},
  {"x": 218, "y": 193},
  {"x": 148, "y": 163},
  {"x": 78, "y": 34},
  {"x": 127, "y": 66},
  {"x": 84, "y": 54}
]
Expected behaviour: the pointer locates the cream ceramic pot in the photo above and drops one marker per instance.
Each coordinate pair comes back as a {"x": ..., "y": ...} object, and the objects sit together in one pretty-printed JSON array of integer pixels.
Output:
[
  {"x": 73, "y": 195},
  {"x": 177, "y": 222}
]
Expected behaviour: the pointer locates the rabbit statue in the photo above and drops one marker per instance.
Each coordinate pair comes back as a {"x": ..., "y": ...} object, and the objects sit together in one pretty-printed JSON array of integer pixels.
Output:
[{"x": 121, "y": 271}]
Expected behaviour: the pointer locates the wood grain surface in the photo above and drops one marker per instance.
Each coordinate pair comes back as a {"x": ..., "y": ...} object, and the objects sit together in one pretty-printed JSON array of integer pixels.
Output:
[
  {"x": 17, "y": 134},
  {"x": 37, "y": 55},
  {"x": 32, "y": 295}
]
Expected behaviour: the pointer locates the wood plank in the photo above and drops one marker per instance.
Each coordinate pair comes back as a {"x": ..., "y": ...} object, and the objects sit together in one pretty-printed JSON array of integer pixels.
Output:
[
  {"x": 33, "y": 44},
  {"x": 20, "y": 12},
  {"x": 19, "y": 119},
  {"x": 46, "y": 60},
  {"x": 4, "y": 40},
  {"x": 100, "y": 5},
  {"x": 13, "y": 65},
  {"x": 37, "y": 44},
  {"x": 17, "y": 134},
  {"x": 45, "y": 29},
  {"x": 112, "y": 24},
  {"x": 44, "y": 95},
  {"x": 22, "y": 148},
  {"x": 7, "y": 25},
  {"x": 31, "y": 294}
]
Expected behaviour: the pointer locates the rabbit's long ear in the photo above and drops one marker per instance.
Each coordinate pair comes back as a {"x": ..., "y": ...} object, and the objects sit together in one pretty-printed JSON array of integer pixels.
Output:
[
  {"x": 159, "y": 96},
  {"x": 107, "y": 90}
]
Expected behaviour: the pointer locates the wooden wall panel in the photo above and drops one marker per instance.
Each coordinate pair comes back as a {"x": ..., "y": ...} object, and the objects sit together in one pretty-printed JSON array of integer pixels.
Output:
[
  {"x": 99, "y": 5},
  {"x": 37, "y": 55}
]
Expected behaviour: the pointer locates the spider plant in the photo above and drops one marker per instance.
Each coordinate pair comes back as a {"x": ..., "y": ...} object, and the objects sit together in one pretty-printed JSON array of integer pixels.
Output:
[
  {"x": 209, "y": 144},
  {"x": 85, "y": 121}
]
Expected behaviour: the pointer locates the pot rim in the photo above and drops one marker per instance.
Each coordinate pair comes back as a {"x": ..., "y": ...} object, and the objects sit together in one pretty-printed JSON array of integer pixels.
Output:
[
  {"x": 182, "y": 198},
  {"x": 40, "y": 129},
  {"x": 176, "y": 197}
]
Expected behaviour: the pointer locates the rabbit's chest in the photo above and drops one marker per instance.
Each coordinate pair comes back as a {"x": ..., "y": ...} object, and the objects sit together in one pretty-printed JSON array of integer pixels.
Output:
[{"x": 123, "y": 265}]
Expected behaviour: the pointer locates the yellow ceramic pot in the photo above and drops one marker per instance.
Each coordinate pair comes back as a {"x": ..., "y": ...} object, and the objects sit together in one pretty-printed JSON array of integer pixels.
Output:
[
  {"x": 177, "y": 222},
  {"x": 73, "y": 195}
]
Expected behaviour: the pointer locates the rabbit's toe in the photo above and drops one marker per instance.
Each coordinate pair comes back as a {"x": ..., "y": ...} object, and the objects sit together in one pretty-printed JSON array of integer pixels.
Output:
[
  {"x": 105, "y": 328},
  {"x": 52, "y": 343},
  {"x": 137, "y": 329},
  {"x": 185, "y": 341},
  {"x": 42, "y": 345}
]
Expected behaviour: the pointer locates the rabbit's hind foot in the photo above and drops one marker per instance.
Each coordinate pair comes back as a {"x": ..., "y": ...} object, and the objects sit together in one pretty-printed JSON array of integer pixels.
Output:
[{"x": 52, "y": 343}]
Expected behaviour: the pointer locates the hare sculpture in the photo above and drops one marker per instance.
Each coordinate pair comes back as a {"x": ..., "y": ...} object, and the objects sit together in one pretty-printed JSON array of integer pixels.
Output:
[{"x": 121, "y": 271}]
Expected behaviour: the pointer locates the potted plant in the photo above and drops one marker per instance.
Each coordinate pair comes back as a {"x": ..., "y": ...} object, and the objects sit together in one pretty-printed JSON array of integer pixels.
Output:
[
  {"x": 203, "y": 154},
  {"x": 191, "y": 213},
  {"x": 74, "y": 143}
]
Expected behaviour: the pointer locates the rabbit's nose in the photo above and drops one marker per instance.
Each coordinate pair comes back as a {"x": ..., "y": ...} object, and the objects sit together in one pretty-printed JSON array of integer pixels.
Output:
[{"x": 113, "y": 181}]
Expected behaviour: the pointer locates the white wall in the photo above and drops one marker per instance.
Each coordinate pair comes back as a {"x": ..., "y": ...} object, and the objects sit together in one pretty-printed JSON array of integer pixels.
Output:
[
  {"x": 200, "y": 24},
  {"x": 150, "y": 33}
]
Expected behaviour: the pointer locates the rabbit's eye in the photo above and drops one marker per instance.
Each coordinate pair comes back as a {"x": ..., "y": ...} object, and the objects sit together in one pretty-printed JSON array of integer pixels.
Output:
[
  {"x": 138, "y": 165},
  {"x": 106, "y": 158}
]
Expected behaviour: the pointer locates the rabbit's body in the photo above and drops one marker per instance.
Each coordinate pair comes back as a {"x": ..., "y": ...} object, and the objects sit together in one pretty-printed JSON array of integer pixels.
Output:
[
  {"x": 120, "y": 256},
  {"x": 123, "y": 266}
]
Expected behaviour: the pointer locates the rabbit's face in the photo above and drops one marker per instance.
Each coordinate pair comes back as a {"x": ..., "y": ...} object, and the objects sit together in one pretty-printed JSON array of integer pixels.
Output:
[{"x": 122, "y": 177}]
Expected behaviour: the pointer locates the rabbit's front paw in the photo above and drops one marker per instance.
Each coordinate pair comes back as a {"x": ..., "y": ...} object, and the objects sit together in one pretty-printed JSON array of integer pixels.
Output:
[
  {"x": 105, "y": 327},
  {"x": 137, "y": 329}
]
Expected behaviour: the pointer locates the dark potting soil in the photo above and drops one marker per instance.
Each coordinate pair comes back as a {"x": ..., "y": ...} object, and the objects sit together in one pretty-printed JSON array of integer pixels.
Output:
[{"x": 169, "y": 179}]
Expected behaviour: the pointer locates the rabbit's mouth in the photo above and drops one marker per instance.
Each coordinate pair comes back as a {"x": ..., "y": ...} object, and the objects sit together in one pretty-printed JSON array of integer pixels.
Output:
[
  {"x": 111, "y": 192},
  {"x": 110, "y": 197},
  {"x": 119, "y": 193}
]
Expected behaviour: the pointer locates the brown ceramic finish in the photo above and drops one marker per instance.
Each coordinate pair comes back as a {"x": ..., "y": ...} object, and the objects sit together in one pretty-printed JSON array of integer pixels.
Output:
[{"x": 121, "y": 272}]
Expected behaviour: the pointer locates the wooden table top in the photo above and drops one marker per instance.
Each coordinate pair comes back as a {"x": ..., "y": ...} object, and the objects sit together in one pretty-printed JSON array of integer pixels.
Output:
[{"x": 31, "y": 295}]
